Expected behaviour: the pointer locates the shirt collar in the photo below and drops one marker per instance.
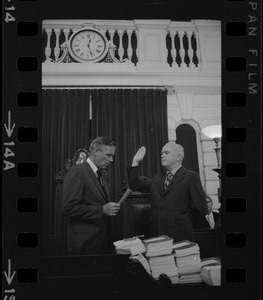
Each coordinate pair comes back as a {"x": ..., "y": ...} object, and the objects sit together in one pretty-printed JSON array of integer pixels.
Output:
[
  {"x": 92, "y": 165},
  {"x": 175, "y": 169}
]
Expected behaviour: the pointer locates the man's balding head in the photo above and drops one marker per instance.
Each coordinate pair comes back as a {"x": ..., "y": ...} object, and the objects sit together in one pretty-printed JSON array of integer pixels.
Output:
[{"x": 172, "y": 155}]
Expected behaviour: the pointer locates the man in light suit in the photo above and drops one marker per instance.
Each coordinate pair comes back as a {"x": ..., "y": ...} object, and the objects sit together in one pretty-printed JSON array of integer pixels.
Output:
[
  {"x": 175, "y": 192},
  {"x": 86, "y": 200}
]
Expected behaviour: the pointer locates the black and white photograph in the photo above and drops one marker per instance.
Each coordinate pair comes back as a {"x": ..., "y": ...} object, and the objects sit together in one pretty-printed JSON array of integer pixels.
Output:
[
  {"x": 133, "y": 178},
  {"x": 137, "y": 101}
]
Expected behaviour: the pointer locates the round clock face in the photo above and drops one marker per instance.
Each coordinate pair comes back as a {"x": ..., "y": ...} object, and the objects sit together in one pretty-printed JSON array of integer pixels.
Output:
[{"x": 87, "y": 45}]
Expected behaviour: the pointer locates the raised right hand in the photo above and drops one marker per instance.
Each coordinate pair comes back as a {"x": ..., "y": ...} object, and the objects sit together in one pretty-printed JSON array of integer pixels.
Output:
[{"x": 138, "y": 157}]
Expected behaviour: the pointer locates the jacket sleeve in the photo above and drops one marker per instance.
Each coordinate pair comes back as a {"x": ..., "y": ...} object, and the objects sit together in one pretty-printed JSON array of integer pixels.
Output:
[
  {"x": 198, "y": 197},
  {"x": 72, "y": 199},
  {"x": 138, "y": 183}
]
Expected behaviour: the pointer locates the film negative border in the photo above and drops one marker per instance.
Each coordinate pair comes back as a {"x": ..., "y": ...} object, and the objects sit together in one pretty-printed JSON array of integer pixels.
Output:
[
  {"x": 241, "y": 92},
  {"x": 241, "y": 81},
  {"x": 21, "y": 121}
]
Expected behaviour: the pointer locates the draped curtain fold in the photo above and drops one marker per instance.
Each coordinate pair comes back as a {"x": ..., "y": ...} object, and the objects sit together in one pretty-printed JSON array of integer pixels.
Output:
[
  {"x": 66, "y": 128},
  {"x": 131, "y": 117}
]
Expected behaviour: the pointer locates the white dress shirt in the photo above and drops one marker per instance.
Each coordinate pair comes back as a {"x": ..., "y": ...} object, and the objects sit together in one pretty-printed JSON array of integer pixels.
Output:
[
  {"x": 93, "y": 166},
  {"x": 210, "y": 220}
]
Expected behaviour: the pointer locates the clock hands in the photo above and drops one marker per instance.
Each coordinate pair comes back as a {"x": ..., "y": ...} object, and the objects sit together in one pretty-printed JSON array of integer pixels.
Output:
[{"x": 89, "y": 47}]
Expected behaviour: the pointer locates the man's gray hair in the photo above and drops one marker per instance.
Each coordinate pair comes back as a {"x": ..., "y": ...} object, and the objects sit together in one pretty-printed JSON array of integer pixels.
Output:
[{"x": 99, "y": 142}]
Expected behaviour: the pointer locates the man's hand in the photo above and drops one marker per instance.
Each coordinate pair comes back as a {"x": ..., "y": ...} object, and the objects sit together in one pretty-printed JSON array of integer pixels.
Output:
[
  {"x": 138, "y": 157},
  {"x": 111, "y": 208}
]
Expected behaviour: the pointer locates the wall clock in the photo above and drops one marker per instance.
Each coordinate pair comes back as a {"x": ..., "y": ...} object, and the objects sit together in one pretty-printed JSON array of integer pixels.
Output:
[{"x": 88, "y": 45}]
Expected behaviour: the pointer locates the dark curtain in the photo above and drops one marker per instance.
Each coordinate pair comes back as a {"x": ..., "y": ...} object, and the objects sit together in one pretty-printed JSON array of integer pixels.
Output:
[
  {"x": 132, "y": 118},
  {"x": 66, "y": 128}
]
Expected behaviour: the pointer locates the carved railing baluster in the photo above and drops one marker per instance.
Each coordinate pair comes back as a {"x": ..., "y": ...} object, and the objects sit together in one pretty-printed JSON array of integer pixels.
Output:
[
  {"x": 120, "y": 50},
  {"x": 66, "y": 32},
  {"x": 167, "y": 35},
  {"x": 198, "y": 55},
  {"x": 129, "y": 47},
  {"x": 190, "y": 49},
  {"x": 48, "y": 48},
  {"x": 57, "y": 47},
  {"x": 111, "y": 33},
  {"x": 173, "y": 49},
  {"x": 182, "y": 50},
  {"x": 137, "y": 50}
]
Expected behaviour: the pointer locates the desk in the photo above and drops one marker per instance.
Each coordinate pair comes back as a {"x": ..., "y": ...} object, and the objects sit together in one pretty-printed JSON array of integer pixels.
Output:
[
  {"x": 136, "y": 221},
  {"x": 108, "y": 277}
]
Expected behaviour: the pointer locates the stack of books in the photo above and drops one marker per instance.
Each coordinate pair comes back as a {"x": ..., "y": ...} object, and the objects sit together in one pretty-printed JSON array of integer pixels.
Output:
[
  {"x": 211, "y": 271},
  {"x": 210, "y": 261},
  {"x": 142, "y": 260},
  {"x": 157, "y": 246},
  {"x": 161, "y": 259},
  {"x": 133, "y": 246},
  {"x": 185, "y": 247},
  {"x": 190, "y": 278},
  {"x": 164, "y": 264},
  {"x": 188, "y": 261}
]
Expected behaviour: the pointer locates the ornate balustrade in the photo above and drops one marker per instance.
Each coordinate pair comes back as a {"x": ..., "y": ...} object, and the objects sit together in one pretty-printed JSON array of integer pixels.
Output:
[
  {"x": 140, "y": 52},
  {"x": 179, "y": 40}
]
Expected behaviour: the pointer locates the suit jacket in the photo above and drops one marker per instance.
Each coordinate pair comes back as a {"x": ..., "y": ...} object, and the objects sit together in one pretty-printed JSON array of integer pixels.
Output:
[
  {"x": 82, "y": 203},
  {"x": 200, "y": 221},
  {"x": 171, "y": 209}
]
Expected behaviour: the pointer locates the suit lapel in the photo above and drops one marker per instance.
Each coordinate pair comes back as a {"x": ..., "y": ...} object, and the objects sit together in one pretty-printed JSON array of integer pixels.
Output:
[
  {"x": 161, "y": 182},
  {"x": 106, "y": 187},
  {"x": 178, "y": 176},
  {"x": 95, "y": 181}
]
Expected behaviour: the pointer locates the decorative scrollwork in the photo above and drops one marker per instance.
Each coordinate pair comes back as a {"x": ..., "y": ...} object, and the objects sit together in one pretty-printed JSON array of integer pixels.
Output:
[
  {"x": 59, "y": 177},
  {"x": 109, "y": 58}
]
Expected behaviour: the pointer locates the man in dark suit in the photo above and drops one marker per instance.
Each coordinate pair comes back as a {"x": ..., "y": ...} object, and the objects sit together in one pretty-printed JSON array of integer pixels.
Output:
[
  {"x": 209, "y": 221},
  {"x": 86, "y": 200},
  {"x": 174, "y": 193}
]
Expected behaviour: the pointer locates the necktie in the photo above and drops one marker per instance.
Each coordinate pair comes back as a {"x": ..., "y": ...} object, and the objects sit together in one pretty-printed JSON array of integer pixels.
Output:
[
  {"x": 99, "y": 176},
  {"x": 168, "y": 179}
]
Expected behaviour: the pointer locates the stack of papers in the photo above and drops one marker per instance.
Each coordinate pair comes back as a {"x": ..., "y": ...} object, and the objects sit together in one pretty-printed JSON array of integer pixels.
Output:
[
  {"x": 185, "y": 248},
  {"x": 164, "y": 265},
  {"x": 141, "y": 259},
  {"x": 211, "y": 271},
  {"x": 131, "y": 246},
  {"x": 190, "y": 278},
  {"x": 157, "y": 246},
  {"x": 210, "y": 261},
  {"x": 188, "y": 261},
  {"x": 189, "y": 264},
  {"x": 174, "y": 279}
]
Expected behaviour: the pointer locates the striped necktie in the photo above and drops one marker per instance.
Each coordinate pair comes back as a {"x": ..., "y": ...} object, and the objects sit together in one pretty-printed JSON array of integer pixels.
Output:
[{"x": 168, "y": 179}]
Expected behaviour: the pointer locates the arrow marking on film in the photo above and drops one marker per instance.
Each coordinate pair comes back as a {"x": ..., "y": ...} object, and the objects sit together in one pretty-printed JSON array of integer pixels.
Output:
[
  {"x": 9, "y": 129},
  {"x": 9, "y": 277}
]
